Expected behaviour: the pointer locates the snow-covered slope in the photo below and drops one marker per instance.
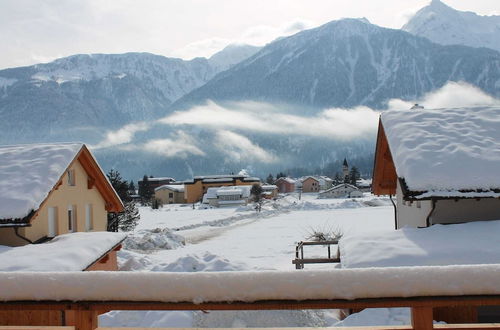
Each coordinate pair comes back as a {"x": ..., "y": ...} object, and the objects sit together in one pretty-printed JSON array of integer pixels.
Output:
[
  {"x": 231, "y": 55},
  {"x": 447, "y": 26},
  {"x": 347, "y": 63}
]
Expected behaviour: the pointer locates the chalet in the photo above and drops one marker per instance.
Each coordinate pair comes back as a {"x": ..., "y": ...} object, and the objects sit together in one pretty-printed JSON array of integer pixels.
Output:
[
  {"x": 52, "y": 189},
  {"x": 55, "y": 194},
  {"x": 227, "y": 196},
  {"x": 195, "y": 188},
  {"x": 269, "y": 191},
  {"x": 285, "y": 185},
  {"x": 343, "y": 190},
  {"x": 442, "y": 165},
  {"x": 170, "y": 194},
  {"x": 310, "y": 184}
]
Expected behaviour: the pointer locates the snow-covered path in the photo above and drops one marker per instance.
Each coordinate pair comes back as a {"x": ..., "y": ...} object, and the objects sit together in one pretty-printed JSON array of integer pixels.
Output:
[{"x": 240, "y": 239}]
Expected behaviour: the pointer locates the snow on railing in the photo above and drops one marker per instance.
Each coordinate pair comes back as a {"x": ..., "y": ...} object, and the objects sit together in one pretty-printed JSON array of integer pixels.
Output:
[{"x": 346, "y": 284}]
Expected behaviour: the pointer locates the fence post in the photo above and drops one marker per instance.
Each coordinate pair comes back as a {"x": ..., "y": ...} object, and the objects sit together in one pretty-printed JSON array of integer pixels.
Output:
[
  {"x": 421, "y": 318},
  {"x": 82, "y": 319}
]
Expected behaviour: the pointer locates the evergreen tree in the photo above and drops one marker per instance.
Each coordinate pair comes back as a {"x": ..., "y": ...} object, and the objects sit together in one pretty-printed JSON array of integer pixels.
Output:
[
  {"x": 126, "y": 220},
  {"x": 145, "y": 190},
  {"x": 256, "y": 192},
  {"x": 354, "y": 175},
  {"x": 270, "y": 179},
  {"x": 280, "y": 175},
  {"x": 337, "y": 179},
  {"x": 131, "y": 188}
]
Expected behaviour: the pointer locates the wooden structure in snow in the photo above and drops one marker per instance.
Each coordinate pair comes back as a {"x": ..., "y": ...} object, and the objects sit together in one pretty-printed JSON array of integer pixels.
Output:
[{"x": 425, "y": 306}]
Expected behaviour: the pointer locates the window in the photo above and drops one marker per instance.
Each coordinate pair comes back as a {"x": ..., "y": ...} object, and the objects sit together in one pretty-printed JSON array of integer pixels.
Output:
[
  {"x": 71, "y": 177},
  {"x": 52, "y": 215},
  {"x": 71, "y": 218},
  {"x": 170, "y": 195},
  {"x": 89, "y": 217}
]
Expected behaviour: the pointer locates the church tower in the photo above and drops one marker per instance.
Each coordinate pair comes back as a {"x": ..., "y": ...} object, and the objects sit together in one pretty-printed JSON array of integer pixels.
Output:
[{"x": 345, "y": 170}]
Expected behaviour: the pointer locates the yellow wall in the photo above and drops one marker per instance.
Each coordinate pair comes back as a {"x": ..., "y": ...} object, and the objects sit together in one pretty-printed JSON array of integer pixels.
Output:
[
  {"x": 162, "y": 195},
  {"x": 78, "y": 195}
]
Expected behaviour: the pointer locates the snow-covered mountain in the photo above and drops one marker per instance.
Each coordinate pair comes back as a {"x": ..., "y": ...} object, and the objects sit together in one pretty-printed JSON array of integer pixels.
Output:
[
  {"x": 92, "y": 91},
  {"x": 86, "y": 92},
  {"x": 347, "y": 63},
  {"x": 447, "y": 26}
]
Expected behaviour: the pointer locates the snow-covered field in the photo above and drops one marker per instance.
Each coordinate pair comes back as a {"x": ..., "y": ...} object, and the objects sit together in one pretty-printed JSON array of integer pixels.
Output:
[{"x": 178, "y": 238}]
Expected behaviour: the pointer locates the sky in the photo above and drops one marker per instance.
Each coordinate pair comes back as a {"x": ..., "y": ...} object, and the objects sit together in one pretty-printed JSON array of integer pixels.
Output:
[{"x": 35, "y": 31}]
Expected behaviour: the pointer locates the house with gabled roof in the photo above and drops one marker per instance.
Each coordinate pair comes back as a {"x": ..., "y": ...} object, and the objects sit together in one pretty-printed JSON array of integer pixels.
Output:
[
  {"x": 52, "y": 189},
  {"x": 343, "y": 190},
  {"x": 285, "y": 185},
  {"x": 310, "y": 184},
  {"x": 442, "y": 165},
  {"x": 170, "y": 194}
]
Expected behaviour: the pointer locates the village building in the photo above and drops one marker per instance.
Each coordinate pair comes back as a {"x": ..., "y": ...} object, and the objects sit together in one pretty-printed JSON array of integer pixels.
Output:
[
  {"x": 52, "y": 189},
  {"x": 364, "y": 184},
  {"x": 441, "y": 170},
  {"x": 55, "y": 195},
  {"x": 227, "y": 196},
  {"x": 269, "y": 191},
  {"x": 170, "y": 194},
  {"x": 343, "y": 190},
  {"x": 285, "y": 185},
  {"x": 198, "y": 186},
  {"x": 152, "y": 183},
  {"x": 310, "y": 184},
  {"x": 324, "y": 182}
]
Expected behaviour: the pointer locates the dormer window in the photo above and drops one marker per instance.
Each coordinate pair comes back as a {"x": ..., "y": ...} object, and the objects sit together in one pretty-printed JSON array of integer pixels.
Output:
[{"x": 71, "y": 177}]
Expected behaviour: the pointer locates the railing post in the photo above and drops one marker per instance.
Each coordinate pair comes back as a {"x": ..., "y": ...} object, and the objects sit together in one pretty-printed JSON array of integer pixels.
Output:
[
  {"x": 82, "y": 319},
  {"x": 421, "y": 318}
]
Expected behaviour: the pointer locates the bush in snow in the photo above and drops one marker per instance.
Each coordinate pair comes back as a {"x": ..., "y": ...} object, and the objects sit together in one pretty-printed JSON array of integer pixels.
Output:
[{"x": 324, "y": 234}]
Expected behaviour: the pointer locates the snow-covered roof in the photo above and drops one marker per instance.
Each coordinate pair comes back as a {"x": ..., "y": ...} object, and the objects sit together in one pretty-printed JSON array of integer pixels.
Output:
[
  {"x": 68, "y": 252},
  {"x": 340, "y": 186},
  {"x": 213, "y": 192},
  {"x": 172, "y": 187},
  {"x": 289, "y": 180},
  {"x": 244, "y": 191},
  {"x": 28, "y": 173},
  {"x": 364, "y": 182},
  {"x": 446, "y": 152},
  {"x": 269, "y": 187},
  {"x": 160, "y": 179}
]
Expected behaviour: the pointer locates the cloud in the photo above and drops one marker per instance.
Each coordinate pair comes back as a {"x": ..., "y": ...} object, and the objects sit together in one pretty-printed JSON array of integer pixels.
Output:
[
  {"x": 122, "y": 135},
  {"x": 228, "y": 124},
  {"x": 258, "y": 35},
  {"x": 451, "y": 95},
  {"x": 240, "y": 148},
  {"x": 181, "y": 145},
  {"x": 330, "y": 123}
]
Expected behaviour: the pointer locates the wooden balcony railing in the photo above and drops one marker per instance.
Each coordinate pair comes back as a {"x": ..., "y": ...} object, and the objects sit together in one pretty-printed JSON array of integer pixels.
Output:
[{"x": 76, "y": 299}]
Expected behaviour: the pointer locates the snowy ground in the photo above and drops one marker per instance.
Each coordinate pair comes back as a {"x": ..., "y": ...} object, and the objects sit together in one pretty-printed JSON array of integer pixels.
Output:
[{"x": 178, "y": 238}]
